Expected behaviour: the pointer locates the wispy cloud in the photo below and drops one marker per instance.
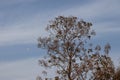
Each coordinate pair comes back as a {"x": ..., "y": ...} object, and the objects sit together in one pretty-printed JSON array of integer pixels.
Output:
[
  {"x": 95, "y": 9},
  {"x": 22, "y": 70},
  {"x": 19, "y": 70},
  {"x": 29, "y": 30},
  {"x": 22, "y": 32}
]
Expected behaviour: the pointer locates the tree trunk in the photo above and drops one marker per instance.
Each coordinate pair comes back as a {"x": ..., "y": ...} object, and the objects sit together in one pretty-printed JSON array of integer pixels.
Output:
[{"x": 69, "y": 68}]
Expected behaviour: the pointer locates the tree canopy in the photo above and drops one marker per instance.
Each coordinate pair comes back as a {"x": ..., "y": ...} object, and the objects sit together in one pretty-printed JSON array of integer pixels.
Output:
[{"x": 69, "y": 50}]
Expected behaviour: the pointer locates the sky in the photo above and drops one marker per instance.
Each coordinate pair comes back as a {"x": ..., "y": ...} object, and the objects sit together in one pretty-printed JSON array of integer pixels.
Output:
[{"x": 22, "y": 22}]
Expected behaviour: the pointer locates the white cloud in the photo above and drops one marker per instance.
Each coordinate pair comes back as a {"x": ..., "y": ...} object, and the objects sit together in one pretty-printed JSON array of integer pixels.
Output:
[
  {"x": 17, "y": 36},
  {"x": 22, "y": 70},
  {"x": 94, "y": 9},
  {"x": 107, "y": 27},
  {"x": 23, "y": 32},
  {"x": 19, "y": 70},
  {"x": 30, "y": 30}
]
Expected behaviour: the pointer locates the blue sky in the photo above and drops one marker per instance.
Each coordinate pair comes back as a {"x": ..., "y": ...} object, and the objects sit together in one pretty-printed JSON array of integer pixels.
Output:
[{"x": 23, "y": 21}]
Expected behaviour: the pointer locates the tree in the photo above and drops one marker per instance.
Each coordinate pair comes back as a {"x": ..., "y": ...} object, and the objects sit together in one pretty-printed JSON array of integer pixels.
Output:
[{"x": 68, "y": 49}]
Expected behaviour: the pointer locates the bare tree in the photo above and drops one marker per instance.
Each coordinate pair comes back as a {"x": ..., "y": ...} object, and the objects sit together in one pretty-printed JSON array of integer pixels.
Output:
[{"x": 68, "y": 49}]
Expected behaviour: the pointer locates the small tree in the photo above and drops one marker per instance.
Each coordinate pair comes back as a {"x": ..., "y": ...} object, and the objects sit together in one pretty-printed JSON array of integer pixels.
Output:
[{"x": 68, "y": 49}]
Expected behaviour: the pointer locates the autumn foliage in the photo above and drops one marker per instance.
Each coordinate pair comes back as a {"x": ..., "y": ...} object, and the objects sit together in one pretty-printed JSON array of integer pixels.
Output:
[{"x": 69, "y": 50}]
